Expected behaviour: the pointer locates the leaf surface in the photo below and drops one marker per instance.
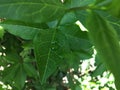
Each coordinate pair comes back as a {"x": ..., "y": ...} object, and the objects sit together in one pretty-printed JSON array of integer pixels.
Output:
[
  {"x": 31, "y": 11},
  {"x": 78, "y": 3},
  {"x": 43, "y": 52},
  {"x": 106, "y": 42},
  {"x": 25, "y": 32}
]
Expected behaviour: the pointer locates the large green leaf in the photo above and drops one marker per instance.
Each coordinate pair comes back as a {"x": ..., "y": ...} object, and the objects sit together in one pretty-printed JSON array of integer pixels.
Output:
[
  {"x": 25, "y": 32},
  {"x": 44, "y": 48},
  {"x": 44, "y": 53},
  {"x": 106, "y": 43},
  {"x": 32, "y": 11}
]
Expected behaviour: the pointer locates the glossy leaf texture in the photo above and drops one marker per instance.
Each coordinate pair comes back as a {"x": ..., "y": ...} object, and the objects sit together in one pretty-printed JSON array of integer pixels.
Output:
[
  {"x": 31, "y": 11},
  {"x": 106, "y": 42}
]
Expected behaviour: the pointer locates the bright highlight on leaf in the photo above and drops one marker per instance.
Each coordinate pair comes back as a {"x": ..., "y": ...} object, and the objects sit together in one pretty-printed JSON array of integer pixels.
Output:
[{"x": 1, "y": 31}]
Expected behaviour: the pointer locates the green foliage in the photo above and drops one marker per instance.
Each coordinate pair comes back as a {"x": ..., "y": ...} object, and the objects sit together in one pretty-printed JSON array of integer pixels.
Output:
[
  {"x": 116, "y": 10},
  {"x": 32, "y": 11},
  {"x": 43, "y": 45},
  {"x": 103, "y": 33},
  {"x": 1, "y": 32}
]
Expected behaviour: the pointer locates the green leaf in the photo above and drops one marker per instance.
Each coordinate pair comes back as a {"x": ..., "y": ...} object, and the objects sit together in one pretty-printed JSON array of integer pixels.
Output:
[
  {"x": 31, "y": 11},
  {"x": 102, "y": 2},
  {"x": 73, "y": 45},
  {"x": 99, "y": 70},
  {"x": 29, "y": 69},
  {"x": 78, "y": 3},
  {"x": 9, "y": 73},
  {"x": 1, "y": 32},
  {"x": 12, "y": 48},
  {"x": 15, "y": 75},
  {"x": 112, "y": 20},
  {"x": 1, "y": 87},
  {"x": 12, "y": 57},
  {"x": 75, "y": 41},
  {"x": 43, "y": 53},
  {"x": 68, "y": 18},
  {"x": 81, "y": 15},
  {"x": 22, "y": 23},
  {"x": 78, "y": 87},
  {"x": 106, "y": 42},
  {"x": 24, "y": 32},
  {"x": 20, "y": 77},
  {"x": 52, "y": 24},
  {"x": 115, "y": 8}
]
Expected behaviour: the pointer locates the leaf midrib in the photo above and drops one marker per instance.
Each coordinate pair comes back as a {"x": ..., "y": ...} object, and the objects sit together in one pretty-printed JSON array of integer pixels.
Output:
[{"x": 49, "y": 53}]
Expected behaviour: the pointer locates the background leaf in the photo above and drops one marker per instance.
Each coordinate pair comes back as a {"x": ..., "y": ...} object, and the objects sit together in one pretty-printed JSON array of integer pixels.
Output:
[
  {"x": 24, "y": 32},
  {"x": 101, "y": 29}
]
